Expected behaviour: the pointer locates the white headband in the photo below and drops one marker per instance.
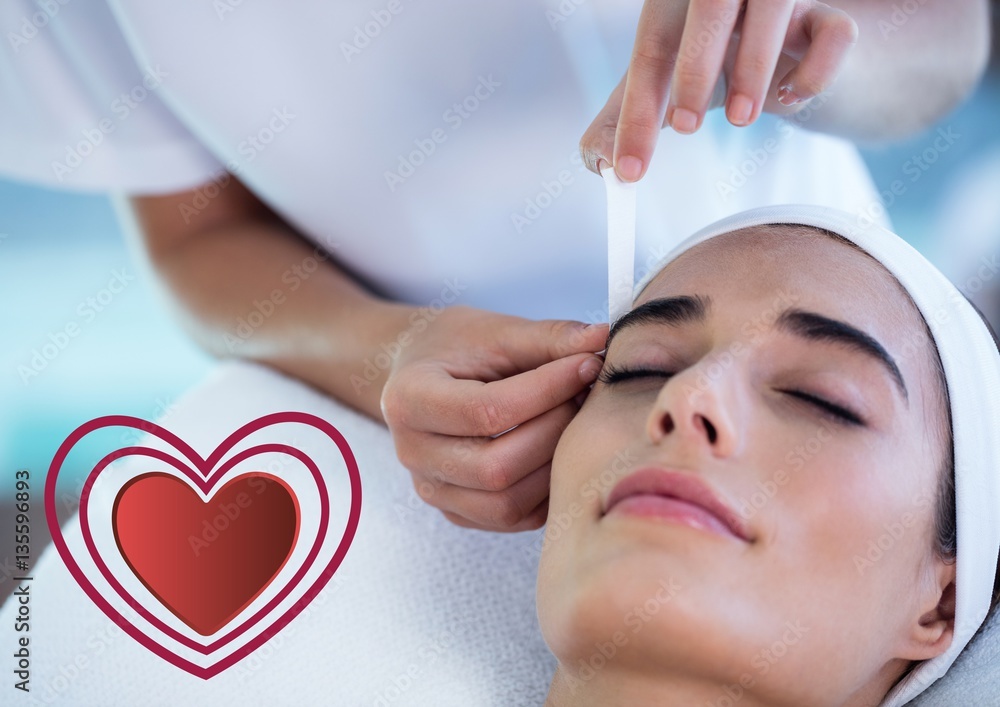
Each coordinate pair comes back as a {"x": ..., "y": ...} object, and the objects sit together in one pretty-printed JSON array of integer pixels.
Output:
[{"x": 971, "y": 366}]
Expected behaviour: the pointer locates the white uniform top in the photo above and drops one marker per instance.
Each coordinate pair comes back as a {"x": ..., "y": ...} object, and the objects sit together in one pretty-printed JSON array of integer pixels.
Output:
[{"x": 429, "y": 145}]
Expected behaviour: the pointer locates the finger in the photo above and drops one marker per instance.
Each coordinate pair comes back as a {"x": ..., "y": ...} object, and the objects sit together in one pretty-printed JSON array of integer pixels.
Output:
[
  {"x": 496, "y": 510},
  {"x": 707, "y": 30},
  {"x": 598, "y": 143},
  {"x": 535, "y": 520},
  {"x": 647, "y": 85},
  {"x": 468, "y": 408},
  {"x": 833, "y": 34},
  {"x": 486, "y": 463},
  {"x": 529, "y": 344},
  {"x": 762, "y": 36}
]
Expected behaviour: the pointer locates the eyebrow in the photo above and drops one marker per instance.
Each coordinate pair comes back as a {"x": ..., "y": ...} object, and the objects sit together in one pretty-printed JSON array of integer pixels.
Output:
[
  {"x": 816, "y": 327},
  {"x": 686, "y": 309},
  {"x": 666, "y": 310}
]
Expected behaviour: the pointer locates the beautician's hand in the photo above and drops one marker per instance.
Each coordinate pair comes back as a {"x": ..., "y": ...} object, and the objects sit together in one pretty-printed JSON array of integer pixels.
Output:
[
  {"x": 775, "y": 54},
  {"x": 907, "y": 70},
  {"x": 470, "y": 376}
]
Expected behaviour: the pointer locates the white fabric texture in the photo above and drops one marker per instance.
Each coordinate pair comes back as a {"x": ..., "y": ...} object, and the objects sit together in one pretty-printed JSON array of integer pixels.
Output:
[
  {"x": 972, "y": 369},
  {"x": 281, "y": 93},
  {"x": 421, "y": 612}
]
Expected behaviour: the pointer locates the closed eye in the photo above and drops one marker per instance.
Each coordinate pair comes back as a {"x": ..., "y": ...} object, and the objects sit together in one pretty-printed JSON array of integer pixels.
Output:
[
  {"x": 611, "y": 374},
  {"x": 840, "y": 414}
]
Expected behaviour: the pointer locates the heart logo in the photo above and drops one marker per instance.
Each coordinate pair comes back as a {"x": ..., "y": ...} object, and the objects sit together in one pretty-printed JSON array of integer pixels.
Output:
[
  {"x": 205, "y": 561},
  {"x": 202, "y": 560}
]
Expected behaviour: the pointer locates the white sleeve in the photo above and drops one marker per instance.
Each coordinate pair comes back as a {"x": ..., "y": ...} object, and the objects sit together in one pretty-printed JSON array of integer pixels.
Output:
[{"x": 76, "y": 110}]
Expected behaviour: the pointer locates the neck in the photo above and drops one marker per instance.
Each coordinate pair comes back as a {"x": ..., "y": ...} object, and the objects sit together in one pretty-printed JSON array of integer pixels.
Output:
[{"x": 611, "y": 686}]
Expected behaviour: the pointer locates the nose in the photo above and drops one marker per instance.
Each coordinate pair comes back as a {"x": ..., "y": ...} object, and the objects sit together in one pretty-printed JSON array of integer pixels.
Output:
[{"x": 698, "y": 410}]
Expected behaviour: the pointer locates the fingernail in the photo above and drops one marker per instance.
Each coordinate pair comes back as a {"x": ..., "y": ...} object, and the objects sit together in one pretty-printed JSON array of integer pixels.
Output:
[
  {"x": 786, "y": 97},
  {"x": 629, "y": 168},
  {"x": 589, "y": 370},
  {"x": 684, "y": 121},
  {"x": 740, "y": 109},
  {"x": 594, "y": 327}
]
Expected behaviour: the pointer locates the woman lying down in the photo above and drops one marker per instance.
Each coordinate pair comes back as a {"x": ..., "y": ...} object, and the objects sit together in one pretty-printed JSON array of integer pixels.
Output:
[
  {"x": 781, "y": 491},
  {"x": 798, "y": 423}
]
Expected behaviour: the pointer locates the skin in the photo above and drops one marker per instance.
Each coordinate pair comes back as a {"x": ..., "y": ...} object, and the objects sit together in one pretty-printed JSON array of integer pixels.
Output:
[
  {"x": 697, "y": 611},
  {"x": 462, "y": 376},
  {"x": 889, "y": 73}
]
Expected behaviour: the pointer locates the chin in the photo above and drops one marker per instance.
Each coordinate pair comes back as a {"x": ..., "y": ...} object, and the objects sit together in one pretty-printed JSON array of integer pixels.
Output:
[{"x": 623, "y": 604}]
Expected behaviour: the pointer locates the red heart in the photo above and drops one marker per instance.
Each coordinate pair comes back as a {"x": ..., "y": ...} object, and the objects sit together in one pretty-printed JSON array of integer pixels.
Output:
[
  {"x": 205, "y": 561},
  {"x": 204, "y": 473}
]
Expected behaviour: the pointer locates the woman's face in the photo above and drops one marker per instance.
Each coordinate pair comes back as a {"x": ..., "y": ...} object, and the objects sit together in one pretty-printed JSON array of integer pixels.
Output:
[{"x": 789, "y": 376}]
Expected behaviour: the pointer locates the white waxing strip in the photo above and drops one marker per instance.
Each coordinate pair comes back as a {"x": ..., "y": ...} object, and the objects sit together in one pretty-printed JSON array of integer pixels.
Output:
[{"x": 621, "y": 243}]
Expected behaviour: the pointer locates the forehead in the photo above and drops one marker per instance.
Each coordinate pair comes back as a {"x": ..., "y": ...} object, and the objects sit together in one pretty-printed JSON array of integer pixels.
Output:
[
  {"x": 758, "y": 272},
  {"x": 800, "y": 264}
]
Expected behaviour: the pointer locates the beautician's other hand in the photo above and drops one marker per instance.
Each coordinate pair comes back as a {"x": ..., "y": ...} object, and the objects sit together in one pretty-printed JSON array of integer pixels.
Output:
[
  {"x": 470, "y": 376},
  {"x": 774, "y": 53}
]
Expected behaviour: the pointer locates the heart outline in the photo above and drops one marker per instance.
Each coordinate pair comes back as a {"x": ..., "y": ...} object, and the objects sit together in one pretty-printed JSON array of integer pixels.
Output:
[
  {"x": 210, "y": 483},
  {"x": 204, "y": 466}
]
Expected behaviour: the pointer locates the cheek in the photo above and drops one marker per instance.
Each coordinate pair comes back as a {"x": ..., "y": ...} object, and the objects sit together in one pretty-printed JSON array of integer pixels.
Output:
[
  {"x": 853, "y": 532},
  {"x": 597, "y": 441}
]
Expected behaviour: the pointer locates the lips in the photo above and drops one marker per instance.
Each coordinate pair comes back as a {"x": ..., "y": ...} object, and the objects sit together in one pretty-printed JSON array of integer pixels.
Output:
[{"x": 677, "y": 496}]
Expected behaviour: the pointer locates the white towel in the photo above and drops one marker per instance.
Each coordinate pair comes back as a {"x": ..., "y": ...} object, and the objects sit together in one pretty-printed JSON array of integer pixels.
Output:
[{"x": 421, "y": 612}]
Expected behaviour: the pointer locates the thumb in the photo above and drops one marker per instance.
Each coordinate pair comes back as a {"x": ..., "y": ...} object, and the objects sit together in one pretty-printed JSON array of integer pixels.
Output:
[{"x": 529, "y": 344}]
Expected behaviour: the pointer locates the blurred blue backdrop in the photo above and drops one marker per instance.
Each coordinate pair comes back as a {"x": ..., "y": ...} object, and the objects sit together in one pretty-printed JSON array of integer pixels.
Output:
[{"x": 122, "y": 352}]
